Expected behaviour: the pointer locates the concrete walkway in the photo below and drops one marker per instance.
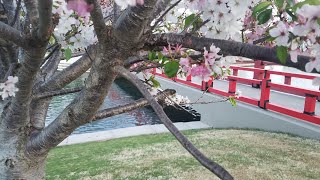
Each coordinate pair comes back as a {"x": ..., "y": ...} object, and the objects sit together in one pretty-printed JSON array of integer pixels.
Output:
[{"x": 126, "y": 132}]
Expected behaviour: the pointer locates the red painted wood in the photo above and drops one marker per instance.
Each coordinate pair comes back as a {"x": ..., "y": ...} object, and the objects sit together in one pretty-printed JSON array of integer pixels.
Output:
[
  {"x": 265, "y": 91},
  {"x": 293, "y": 113},
  {"x": 260, "y": 65},
  {"x": 287, "y": 80},
  {"x": 310, "y": 104},
  {"x": 293, "y": 90},
  {"x": 266, "y": 85}
]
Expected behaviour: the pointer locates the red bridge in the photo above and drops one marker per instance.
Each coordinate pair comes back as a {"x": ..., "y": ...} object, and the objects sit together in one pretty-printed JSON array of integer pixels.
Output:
[{"x": 260, "y": 91}]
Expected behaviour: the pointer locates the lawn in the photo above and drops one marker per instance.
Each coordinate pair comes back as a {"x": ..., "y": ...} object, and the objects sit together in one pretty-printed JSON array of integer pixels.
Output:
[{"x": 247, "y": 154}]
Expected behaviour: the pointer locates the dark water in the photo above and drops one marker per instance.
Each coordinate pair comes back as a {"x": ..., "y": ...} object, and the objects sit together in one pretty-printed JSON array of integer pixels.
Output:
[{"x": 121, "y": 93}]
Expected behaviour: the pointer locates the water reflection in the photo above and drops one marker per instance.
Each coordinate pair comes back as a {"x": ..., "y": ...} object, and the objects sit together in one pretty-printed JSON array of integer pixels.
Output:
[{"x": 120, "y": 93}]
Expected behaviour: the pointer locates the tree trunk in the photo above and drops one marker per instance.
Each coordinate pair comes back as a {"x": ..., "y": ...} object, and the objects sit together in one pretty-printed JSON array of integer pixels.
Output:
[{"x": 14, "y": 161}]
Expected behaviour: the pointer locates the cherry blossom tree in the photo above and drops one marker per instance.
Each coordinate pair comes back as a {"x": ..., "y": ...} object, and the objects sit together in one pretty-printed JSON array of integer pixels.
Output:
[{"x": 114, "y": 38}]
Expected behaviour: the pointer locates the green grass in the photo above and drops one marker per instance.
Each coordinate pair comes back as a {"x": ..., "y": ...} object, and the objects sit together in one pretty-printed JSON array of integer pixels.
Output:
[{"x": 246, "y": 154}]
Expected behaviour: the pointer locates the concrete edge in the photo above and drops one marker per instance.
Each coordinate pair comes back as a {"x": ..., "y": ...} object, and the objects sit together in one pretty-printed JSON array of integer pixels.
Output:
[{"x": 128, "y": 132}]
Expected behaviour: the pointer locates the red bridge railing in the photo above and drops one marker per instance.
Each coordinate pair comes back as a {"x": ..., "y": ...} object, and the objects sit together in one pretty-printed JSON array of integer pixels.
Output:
[{"x": 262, "y": 80}]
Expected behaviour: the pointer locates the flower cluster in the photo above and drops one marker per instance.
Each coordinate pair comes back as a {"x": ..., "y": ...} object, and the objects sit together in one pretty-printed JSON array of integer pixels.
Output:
[
  {"x": 126, "y": 3},
  {"x": 8, "y": 88},
  {"x": 212, "y": 65},
  {"x": 177, "y": 99},
  {"x": 224, "y": 17}
]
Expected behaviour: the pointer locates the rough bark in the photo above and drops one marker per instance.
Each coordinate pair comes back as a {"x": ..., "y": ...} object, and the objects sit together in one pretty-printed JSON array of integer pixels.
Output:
[{"x": 232, "y": 48}]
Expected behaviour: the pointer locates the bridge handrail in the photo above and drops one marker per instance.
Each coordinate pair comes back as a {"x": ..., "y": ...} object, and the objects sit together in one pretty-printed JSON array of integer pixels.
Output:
[{"x": 265, "y": 84}]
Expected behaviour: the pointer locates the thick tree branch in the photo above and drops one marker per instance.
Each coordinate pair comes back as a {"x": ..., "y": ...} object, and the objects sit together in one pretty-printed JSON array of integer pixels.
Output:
[
  {"x": 131, "y": 106},
  {"x": 70, "y": 73},
  {"x": 45, "y": 20},
  {"x": 231, "y": 47},
  {"x": 98, "y": 21},
  {"x": 17, "y": 114},
  {"x": 13, "y": 35},
  {"x": 210, "y": 165},
  {"x": 83, "y": 108},
  {"x": 131, "y": 24},
  {"x": 32, "y": 15}
]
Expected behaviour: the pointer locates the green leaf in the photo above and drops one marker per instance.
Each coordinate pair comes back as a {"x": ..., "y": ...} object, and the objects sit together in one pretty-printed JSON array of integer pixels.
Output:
[
  {"x": 155, "y": 83},
  {"x": 300, "y": 4},
  {"x": 189, "y": 20},
  {"x": 160, "y": 56},
  {"x": 260, "y": 7},
  {"x": 264, "y": 16},
  {"x": 67, "y": 54},
  {"x": 294, "y": 17},
  {"x": 232, "y": 101},
  {"x": 282, "y": 54},
  {"x": 279, "y": 3},
  {"x": 52, "y": 40},
  {"x": 152, "y": 55},
  {"x": 171, "y": 68},
  {"x": 290, "y": 3}
]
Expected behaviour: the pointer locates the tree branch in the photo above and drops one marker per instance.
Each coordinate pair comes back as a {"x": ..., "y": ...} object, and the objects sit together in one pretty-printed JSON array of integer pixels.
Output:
[
  {"x": 70, "y": 73},
  {"x": 233, "y": 48},
  {"x": 163, "y": 15},
  {"x": 58, "y": 93},
  {"x": 131, "y": 106},
  {"x": 83, "y": 108},
  {"x": 45, "y": 20},
  {"x": 13, "y": 35},
  {"x": 210, "y": 165},
  {"x": 98, "y": 21},
  {"x": 131, "y": 24}
]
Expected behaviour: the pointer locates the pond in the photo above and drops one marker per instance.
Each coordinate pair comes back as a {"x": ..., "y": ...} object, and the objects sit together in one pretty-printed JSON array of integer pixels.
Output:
[{"x": 122, "y": 92}]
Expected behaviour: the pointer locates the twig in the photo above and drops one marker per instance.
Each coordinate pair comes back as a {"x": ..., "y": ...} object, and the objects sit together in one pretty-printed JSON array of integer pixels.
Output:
[
  {"x": 163, "y": 15},
  {"x": 58, "y": 93},
  {"x": 198, "y": 27},
  {"x": 187, "y": 27},
  {"x": 130, "y": 106}
]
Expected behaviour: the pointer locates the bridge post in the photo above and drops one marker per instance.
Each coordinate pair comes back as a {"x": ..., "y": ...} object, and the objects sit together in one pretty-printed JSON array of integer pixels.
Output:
[
  {"x": 287, "y": 80},
  {"x": 258, "y": 75},
  {"x": 235, "y": 72},
  {"x": 310, "y": 104},
  {"x": 232, "y": 86},
  {"x": 265, "y": 90},
  {"x": 153, "y": 71},
  {"x": 189, "y": 77}
]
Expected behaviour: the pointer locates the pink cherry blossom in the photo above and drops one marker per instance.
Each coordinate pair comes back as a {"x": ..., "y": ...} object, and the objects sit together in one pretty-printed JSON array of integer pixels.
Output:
[
  {"x": 8, "y": 88},
  {"x": 210, "y": 57},
  {"x": 201, "y": 71},
  {"x": 80, "y": 6},
  {"x": 280, "y": 32}
]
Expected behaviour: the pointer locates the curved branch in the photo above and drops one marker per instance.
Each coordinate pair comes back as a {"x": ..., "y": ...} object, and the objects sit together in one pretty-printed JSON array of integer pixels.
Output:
[
  {"x": 70, "y": 73},
  {"x": 130, "y": 106},
  {"x": 231, "y": 47},
  {"x": 82, "y": 109},
  {"x": 206, "y": 162},
  {"x": 13, "y": 35}
]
